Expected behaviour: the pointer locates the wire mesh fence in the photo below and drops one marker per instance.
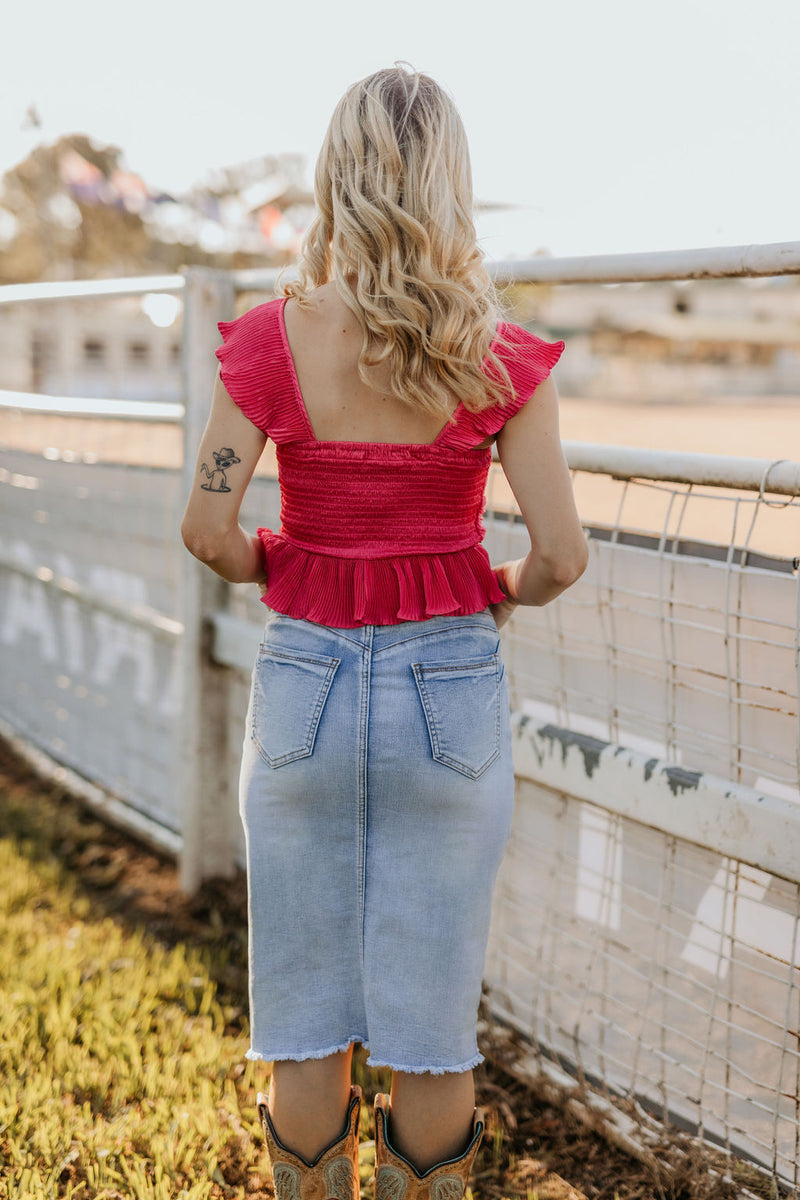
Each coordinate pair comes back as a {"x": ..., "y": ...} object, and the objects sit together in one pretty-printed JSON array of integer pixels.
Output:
[
  {"x": 648, "y": 965},
  {"x": 654, "y": 969},
  {"x": 682, "y": 638}
]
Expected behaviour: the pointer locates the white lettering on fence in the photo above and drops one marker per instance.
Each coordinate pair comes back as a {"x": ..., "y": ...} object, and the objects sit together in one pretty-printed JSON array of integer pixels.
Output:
[
  {"x": 72, "y": 629},
  {"x": 116, "y": 638},
  {"x": 84, "y": 642},
  {"x": 732, "y": 911},
  {"x": 28, "y": 610}
]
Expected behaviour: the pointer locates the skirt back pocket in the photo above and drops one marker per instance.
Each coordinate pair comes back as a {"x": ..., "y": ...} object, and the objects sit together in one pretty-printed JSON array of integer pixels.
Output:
[
  {"x": 290, "y": 688},
  {"x": 461, "y": 701}
]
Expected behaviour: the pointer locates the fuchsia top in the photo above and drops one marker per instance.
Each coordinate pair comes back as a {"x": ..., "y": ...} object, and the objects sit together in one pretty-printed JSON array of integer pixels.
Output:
[{"x": 372, "y": 533}]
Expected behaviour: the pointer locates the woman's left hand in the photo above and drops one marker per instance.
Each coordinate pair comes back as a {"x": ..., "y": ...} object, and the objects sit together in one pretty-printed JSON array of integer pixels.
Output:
[
  {"x": 502, "y": 610},
  {"x": 505, "y": 573}
]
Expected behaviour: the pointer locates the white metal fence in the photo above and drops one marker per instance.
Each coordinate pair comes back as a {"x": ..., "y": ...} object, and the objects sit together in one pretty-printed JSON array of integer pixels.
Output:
[{"x": 645, "y": 933}]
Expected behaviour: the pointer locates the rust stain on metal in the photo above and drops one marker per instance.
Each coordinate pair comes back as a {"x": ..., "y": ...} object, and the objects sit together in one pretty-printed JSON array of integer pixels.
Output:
[
  {"x": 590, "y": 747},
  {"x": 678, "y": 778},
  {"x": 681, "y": 779}
]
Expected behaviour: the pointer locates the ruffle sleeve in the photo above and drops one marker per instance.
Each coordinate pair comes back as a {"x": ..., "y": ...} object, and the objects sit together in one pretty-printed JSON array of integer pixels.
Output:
[
  {"x": 255, "y": 371},
  {"x": 245, "y": 359},
  {"x": 528, "y": 359}
]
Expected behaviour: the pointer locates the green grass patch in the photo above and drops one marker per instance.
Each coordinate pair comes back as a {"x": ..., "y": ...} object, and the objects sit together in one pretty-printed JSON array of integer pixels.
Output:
[{"x": 121, "y": 1070}]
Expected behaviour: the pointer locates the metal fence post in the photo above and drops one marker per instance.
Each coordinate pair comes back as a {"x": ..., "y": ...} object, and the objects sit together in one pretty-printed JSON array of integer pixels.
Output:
[{"x": 209, "y": 810}]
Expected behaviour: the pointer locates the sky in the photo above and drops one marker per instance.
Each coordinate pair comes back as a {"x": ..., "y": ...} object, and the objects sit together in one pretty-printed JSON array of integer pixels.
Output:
[{"x": 609, "y": 125}]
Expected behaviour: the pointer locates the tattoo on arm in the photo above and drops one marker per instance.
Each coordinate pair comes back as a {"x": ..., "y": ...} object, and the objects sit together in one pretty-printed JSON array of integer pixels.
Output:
[{"x": 217, "y": 479}]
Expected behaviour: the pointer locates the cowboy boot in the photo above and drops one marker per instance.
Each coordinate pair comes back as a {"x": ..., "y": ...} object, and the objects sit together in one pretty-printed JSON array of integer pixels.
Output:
[
  {"x": 333, "y": 1175},
  {"x": 397, "y": 1179}
]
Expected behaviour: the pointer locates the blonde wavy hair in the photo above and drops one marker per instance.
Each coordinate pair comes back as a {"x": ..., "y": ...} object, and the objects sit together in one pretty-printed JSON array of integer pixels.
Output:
[{"x": 394, "y": 229}]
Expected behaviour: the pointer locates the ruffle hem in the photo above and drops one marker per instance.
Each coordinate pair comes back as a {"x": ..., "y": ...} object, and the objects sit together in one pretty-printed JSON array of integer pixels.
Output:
[{"x": 348, "y": 592}]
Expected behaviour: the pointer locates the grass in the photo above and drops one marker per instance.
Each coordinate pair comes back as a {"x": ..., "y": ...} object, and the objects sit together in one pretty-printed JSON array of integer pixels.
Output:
[
  {"x": 123, "y": 1028},
  {"x": 121, "y": 1070}
]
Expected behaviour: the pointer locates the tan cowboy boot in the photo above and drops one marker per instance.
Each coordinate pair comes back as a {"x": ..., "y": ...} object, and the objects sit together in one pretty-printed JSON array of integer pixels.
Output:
[
  {"x": 333, "y": 1175},
  {"x": 397, "y": 1179}
]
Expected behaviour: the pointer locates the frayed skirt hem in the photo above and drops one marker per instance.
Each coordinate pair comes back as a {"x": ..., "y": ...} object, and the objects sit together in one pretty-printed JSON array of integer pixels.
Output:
[
  {"x": 395, "y": 1066},
  {"x": 302, "y": 1055}
]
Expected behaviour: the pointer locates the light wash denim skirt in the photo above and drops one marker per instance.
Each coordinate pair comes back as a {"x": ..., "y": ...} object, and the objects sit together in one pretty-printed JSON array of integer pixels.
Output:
[{"x": 376, "y": 794}]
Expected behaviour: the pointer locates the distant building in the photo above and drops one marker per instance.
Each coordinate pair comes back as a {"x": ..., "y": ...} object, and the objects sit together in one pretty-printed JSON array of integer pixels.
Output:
[
  {"x": 679, "y": 341},
  {"x": 91, "y": 348},
  {"x": 653, "y": 342}
]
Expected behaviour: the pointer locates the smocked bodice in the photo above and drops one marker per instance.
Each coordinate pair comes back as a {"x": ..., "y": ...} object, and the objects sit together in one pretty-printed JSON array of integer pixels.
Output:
[{"x": 372, "y": 533}]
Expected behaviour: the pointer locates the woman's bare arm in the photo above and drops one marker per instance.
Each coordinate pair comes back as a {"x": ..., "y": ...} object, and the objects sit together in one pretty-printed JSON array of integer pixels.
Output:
[
  {"x": 229, "y": 451},
  {"x": 529, "y": 447}
]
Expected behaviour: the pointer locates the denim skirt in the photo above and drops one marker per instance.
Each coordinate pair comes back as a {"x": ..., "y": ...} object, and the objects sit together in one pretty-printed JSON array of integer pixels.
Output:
[{"x": 376, "y": 795}]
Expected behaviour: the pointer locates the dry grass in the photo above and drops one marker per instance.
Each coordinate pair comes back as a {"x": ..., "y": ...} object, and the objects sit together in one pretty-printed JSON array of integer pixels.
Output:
[{"x": 123, "y": 1028}]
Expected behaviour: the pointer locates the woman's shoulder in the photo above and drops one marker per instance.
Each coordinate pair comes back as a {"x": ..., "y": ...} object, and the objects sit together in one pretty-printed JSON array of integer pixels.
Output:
[{"x": 320, "y": 308}]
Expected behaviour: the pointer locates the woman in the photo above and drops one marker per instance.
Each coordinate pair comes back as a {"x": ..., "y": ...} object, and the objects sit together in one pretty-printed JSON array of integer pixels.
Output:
[{"x": 377, "y": 780}]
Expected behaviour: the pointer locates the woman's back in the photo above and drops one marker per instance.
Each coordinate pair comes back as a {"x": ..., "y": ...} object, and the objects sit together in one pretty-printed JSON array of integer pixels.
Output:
[{"x": 325, "y": 342}]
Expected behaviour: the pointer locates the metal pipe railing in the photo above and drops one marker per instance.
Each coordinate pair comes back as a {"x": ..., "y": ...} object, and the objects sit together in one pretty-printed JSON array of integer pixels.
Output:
[
  {"x": 88, "y": 289},
  {"x": 92, "y": 406},
  {"x": 711, "y": 262},
  {"x": 778, "y": 476}
]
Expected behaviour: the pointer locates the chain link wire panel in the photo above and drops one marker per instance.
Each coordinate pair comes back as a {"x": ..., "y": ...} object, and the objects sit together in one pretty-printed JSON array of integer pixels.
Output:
[
  {"x": 681, "y": 638},
  {"x": 652, "y": 969},
  {"x": 649, "y": 966}
]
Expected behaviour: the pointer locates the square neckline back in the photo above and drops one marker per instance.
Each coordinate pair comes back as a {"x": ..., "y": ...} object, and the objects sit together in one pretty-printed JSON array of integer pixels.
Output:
[{"x": 301, "y": 405}]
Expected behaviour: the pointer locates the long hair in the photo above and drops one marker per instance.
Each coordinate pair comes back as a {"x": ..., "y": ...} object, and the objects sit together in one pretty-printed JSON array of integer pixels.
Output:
[{"x": 394, "y": 229}]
